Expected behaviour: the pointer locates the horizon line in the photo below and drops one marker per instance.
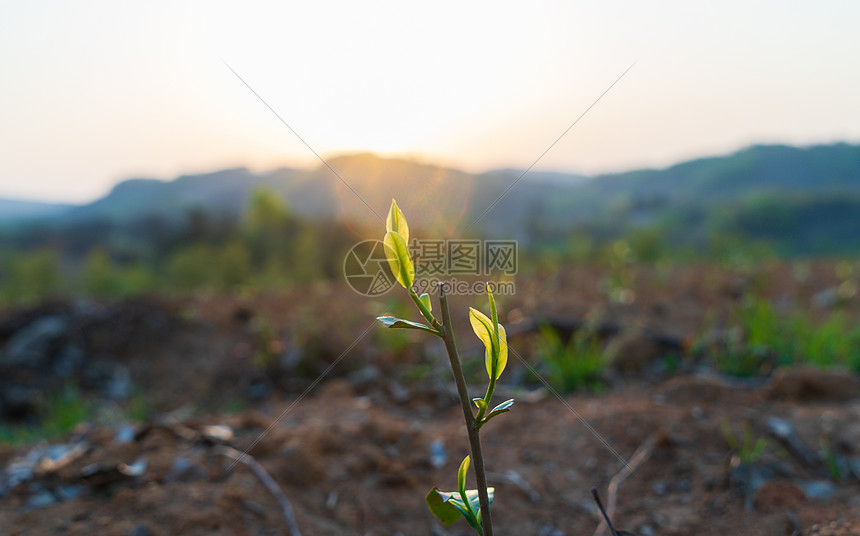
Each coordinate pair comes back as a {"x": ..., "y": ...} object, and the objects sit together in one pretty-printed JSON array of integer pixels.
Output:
[{"x": 423, "y": 160}]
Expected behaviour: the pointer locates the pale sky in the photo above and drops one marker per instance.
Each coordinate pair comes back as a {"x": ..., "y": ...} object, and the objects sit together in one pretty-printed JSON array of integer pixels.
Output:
[{"x": 93, "y": 92}]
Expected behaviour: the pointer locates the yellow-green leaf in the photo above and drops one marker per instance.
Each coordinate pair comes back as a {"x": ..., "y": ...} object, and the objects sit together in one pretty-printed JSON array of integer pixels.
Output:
[
  {"x": 493, "y": 314},
  {"x": 398, "y": 259},
  {"x": 461, "y": 475},
  {"x": 425, "y": 299},
  {"x": 483, "y": 328},
  {"x": 396, "y": 222},
  {"x": 503, "y": 353}
]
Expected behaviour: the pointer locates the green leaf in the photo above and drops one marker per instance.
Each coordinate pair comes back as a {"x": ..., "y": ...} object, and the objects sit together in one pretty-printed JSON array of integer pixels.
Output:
[
  {"x": 480, "y": 403},
  {"x": 447, "y": 506},
  {"x": 398, "y": 259},
  {"x": 498, "y": 410},
  {"x": 476, "y": 501},
  {"x": 441, "y": 507},
  {"x": 503, "y": 351},
  {"x": 398, "y": 323},
  {"x": 455, "y": 501},
  {"x": 498, "y": 352},
  {"x": 461, "y": 475},
  {"x": 481, "y": 326},
  {"x": 494, "y": 315},
  {"x": 425, "y": 299},
  {"x": 461, "y": 484},
  {"x": 504, "y": 406},
  {"x": 396, "y": 222}
]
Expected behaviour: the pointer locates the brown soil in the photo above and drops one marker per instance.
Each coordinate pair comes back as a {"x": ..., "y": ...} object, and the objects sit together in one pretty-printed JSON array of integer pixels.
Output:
[{"x": 354, "y": 457}]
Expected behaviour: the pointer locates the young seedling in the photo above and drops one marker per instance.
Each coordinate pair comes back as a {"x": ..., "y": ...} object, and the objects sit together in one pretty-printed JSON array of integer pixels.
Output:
[
  {"x": 473, "y": 504},
  {"x": 746, "y": 447}
]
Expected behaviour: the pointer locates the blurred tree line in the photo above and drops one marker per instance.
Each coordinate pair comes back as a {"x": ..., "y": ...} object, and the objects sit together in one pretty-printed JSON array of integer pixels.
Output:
[
  {"x": 646, "y": 245},
  {"x": 267, "y": 247}
]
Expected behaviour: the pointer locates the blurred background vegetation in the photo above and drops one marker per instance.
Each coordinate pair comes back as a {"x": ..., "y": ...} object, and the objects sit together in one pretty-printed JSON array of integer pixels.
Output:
[
  {"x": 203, "y": 252},
  {"x": 741, "y": 263},
  {"x": 234, "y": 230}
]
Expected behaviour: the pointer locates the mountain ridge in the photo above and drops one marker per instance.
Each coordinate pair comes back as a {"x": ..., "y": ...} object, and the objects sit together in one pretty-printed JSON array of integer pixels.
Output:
[{"x": 543, "y": 203}]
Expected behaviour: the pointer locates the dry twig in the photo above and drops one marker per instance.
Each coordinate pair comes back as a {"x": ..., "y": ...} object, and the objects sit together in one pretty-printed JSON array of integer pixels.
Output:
[
  {"x": 267, "y": 481},
  {"x": 638, "y": 458},
  {"x": 513, "y": 477}
]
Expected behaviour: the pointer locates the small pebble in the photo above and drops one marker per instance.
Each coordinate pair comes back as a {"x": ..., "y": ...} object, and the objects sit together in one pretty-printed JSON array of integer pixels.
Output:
[
  {"x": 124, "y": 434},
  {"x": 141, "y": 530},
  {"x": 818, "y": 489},
  {"x": 331, "y": 500},
  {"x": 184, "y": 470},
  {"x": 438, "y": 454},
  {"x": 41, "y": 499}
]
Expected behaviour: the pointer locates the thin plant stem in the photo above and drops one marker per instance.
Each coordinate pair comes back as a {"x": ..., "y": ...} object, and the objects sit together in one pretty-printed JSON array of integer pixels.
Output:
[
  {"x": 487, "y": 398},
  {"x": 463, "y": 393},
  {"x": 424, "y": 311}
]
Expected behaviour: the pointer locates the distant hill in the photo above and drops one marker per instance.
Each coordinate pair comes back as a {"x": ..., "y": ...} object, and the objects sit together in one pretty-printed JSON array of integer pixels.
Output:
[
  {"x": 17, "y": 211},
  {"x": 801, "y": 200},
  {"x": 747, "y": 192},
  {"x": 221, "y": 191},
  {"x": 758, "y": 168}
]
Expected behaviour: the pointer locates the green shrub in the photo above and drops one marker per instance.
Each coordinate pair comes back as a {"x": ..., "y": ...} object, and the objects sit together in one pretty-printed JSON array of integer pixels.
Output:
[
  {"x": 100, "y": 277},
  {"x": 572, "y": 366},
  {"x": 29, "y": 277},
  {"x": 745, "y": 446},
  {"x": 233, "y": 265},
  {"x": 191, "y": 268},
  {"x": 58, "y": 414},
  {"x": 760, "y": 337}
]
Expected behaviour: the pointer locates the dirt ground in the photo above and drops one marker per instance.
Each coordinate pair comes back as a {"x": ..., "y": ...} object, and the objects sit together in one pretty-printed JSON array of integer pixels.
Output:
[{"x": 359, "y": 452}]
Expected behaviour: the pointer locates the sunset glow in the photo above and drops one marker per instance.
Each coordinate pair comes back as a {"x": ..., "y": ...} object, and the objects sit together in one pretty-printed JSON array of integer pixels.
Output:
[{"x": 99, "y": 92}]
